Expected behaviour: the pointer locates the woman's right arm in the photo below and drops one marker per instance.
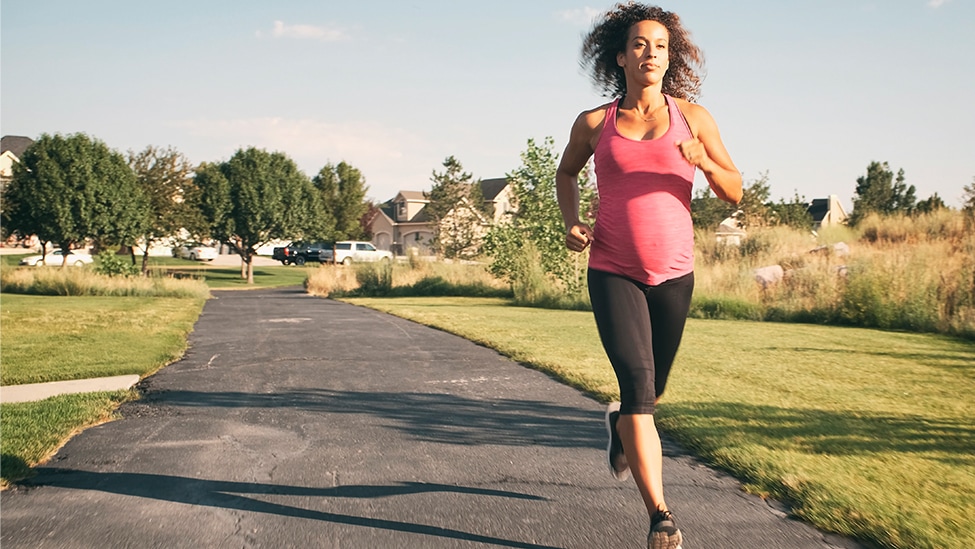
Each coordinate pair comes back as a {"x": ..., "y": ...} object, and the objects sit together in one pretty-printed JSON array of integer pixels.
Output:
[{"x": 577, "y": 152}]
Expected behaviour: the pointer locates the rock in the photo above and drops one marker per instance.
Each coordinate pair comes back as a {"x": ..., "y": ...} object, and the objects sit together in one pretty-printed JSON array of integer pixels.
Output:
[{"x": 768, "y": 276}]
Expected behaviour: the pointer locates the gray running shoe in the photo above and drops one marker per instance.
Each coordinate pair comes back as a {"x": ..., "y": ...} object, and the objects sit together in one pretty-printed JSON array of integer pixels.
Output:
[
  {"x": 664, "y": 533},
  {"x": 614, "y": 450}
]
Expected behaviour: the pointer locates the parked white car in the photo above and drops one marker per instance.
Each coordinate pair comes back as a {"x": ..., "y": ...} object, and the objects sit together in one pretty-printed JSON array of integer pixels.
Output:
[
  {"x": 195, "y": 251},
  {"x": 55, "y": 258}
]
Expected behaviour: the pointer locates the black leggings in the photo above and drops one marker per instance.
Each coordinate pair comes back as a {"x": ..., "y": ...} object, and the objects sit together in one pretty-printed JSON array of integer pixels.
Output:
[{"x": 640, "y": 327}]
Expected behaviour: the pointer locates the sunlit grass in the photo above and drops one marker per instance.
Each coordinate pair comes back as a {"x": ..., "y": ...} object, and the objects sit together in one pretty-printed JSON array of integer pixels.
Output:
[
  {"x": 55, "y": 338},
  {"x": 33, "y": 431}
]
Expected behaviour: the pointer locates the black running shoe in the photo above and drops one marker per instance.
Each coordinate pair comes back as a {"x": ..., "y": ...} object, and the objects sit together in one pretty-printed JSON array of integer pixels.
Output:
[
  {"x": 614, "y": 450},
  {"x": 664, "y": 533}
]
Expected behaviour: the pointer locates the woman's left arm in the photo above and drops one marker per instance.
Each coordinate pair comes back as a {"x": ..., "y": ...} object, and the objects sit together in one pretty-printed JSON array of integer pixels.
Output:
[{"x": 707, "y": 152}]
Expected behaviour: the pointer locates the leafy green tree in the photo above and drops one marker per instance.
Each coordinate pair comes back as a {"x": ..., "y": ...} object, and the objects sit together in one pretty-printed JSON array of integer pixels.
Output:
[
  {"x": 166, "y": 177},
  {"x": 342, "y": 189},
  {"x": 794, "y": 213},
  {"x": 254, "y": 198},
  {"x": 67, "y": 189},
  {"x": 756, "y": 209},
  {"x": 968, "y": 198},
  {"x": 455, "y": 210},
  {"x": 707, "y": 210},
  {"x": 537, "y": 222},
  {"x": 930, "y": 204},
  {"x": 879, "y": 192},
  {"x": 754, "y": 202}
]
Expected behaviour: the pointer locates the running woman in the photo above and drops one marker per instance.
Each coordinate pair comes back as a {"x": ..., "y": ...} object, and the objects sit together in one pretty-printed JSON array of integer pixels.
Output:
[{"x": 646, "y": 144}]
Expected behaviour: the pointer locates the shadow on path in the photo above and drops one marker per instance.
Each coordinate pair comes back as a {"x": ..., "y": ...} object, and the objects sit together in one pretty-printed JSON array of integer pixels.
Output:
[
  {"x": 430, "y": 417},
  {"x": 226, "y": 495}
]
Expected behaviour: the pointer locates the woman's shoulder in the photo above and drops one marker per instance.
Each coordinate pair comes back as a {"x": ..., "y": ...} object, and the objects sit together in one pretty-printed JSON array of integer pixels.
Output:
[
  {"x": 696, "y": 115},
  {"x": 593, "y": 119},
  {"x": 692, "y": 110}
]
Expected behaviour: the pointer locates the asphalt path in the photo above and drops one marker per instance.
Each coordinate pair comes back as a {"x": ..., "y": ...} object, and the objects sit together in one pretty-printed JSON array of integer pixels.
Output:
[{"x": 295, "y": 421}]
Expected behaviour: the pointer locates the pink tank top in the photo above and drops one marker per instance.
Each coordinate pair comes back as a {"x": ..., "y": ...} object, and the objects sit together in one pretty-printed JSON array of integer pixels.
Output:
[{"x": 643, "y": 225}]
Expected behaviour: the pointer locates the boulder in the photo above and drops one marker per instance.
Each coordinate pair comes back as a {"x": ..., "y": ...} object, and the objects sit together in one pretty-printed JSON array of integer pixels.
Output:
[{"x": 768, "y": 276}]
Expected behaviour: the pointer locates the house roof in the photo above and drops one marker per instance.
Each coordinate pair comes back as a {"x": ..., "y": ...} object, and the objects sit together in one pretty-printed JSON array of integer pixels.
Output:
[
  {"x": 16, "y": 144},
  {"x": 818, "y": 208},
  {"x": 414, "y": 195},
  {"x": 491, "y": 187},
  {"x": 389, "y": 210},
  {"x": 421, "y": 216}
]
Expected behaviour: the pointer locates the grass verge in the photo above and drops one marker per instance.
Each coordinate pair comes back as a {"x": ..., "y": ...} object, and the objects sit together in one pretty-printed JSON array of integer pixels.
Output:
[
  {"x": 33, "y": 431},
  {"x": 55, "y": 338},
  {"x": 863, "y": 432}
]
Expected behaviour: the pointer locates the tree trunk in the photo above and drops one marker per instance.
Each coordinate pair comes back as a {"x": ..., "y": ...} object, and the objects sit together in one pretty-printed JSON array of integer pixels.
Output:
[
  {"x": 250, "y": 268},
  {"x": 145, "y": 262},
  {"x": 65, "y": 247}
]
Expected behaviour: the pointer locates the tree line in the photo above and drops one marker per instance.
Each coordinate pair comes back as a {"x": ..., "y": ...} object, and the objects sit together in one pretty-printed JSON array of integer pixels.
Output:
[
  {"x": 71, "y": 189},
  {"x": 68, "y": 189},
  {"x": 879, "y": 191}
]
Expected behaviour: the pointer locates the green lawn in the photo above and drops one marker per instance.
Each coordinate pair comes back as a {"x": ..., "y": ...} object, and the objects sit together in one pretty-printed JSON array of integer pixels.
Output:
[
  {"x": 53, "y": 338},
  {"x": 864, "y": 432},
  {"x": 228, "y": 278},
  {"x": 33, "y": 431}
]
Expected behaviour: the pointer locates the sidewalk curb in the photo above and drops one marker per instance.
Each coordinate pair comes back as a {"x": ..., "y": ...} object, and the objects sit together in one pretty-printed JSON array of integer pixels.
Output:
[{"x": 30, "y": 392}]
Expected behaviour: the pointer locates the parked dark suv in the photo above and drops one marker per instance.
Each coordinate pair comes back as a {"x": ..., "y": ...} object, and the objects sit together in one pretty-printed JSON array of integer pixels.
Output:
[{"x": 300, "y": 252}]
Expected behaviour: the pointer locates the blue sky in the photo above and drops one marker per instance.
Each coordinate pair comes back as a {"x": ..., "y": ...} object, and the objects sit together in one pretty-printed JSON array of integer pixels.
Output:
[{"x": 808, "y": 91}]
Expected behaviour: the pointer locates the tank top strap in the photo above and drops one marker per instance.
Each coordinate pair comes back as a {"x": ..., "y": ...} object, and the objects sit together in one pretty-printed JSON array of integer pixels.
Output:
[
  {"x": 611, "y": 114},
  {"x": 677, "y": 119}
]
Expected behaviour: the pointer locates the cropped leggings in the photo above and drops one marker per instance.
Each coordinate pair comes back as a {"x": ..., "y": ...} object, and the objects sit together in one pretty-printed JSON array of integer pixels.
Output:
[{"x": 640, "y": 327}]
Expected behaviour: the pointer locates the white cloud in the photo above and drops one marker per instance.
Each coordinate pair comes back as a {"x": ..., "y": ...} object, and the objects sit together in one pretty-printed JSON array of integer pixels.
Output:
[
  {"x": 937, "y": 3},
  {"x": 306, "y": 32},
  {"x": 579, "y": 16}
]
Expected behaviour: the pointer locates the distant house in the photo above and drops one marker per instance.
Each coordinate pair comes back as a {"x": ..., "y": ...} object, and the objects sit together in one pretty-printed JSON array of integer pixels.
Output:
[
  {"x": 403, "y": 224},
  {"x": 12, "y": 149},
  {"x": 730, "y": 231},
  {"x": 827, "y": 211},
  {"x": 499, "y": 198}
]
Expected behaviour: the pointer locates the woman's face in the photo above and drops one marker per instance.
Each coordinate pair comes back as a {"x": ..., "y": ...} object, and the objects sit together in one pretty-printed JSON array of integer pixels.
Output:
[{"x": 646, "y": 57}]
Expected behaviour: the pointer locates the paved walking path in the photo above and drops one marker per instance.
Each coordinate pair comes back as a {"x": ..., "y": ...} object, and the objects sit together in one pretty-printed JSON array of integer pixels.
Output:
[{"x": 295, "y": 421}]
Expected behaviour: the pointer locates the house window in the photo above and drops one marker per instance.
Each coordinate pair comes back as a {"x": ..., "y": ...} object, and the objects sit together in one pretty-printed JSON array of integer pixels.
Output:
[{"x": 401, "y": 210}]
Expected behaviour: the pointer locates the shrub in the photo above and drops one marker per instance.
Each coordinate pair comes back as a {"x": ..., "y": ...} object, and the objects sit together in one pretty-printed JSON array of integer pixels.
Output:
[
  {"x": 724, "y": 308},
  {"x": 112, "y": 264},
  {"x": 375, "y": 279}
]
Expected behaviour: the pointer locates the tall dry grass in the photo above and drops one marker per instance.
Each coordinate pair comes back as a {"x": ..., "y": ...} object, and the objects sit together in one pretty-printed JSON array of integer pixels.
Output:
[
  {"x": 415, "y": 276},
  {"x": 909, "y": 273},
  {"x": 84, "y": 282},
  {"x": 913, "y": 273}
]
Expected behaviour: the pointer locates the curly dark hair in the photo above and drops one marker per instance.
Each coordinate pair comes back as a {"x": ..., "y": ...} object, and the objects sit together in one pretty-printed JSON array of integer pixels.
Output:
[{"x": 608, "y": 38}]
